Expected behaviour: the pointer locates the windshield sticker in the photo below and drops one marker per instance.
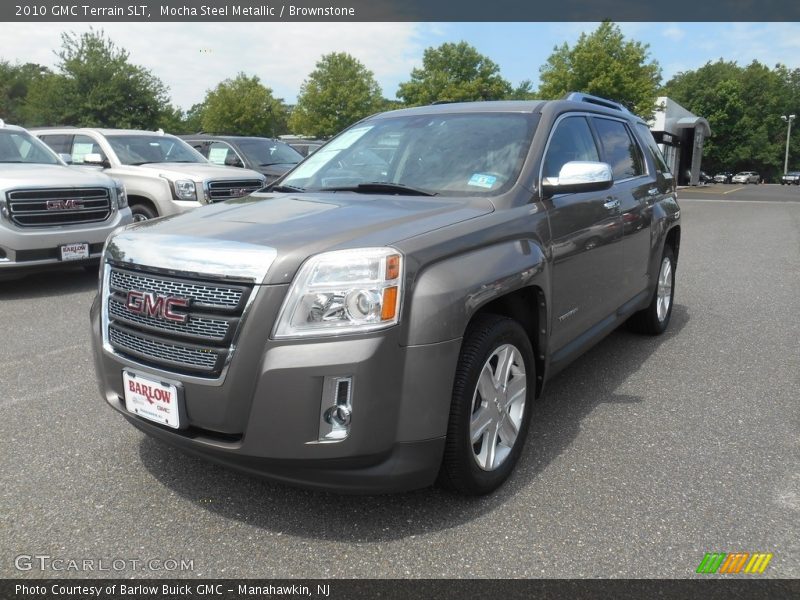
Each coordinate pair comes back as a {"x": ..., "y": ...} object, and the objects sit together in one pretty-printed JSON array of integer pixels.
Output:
[
  {"x": 482, "y": 181},
  {"x": 348, "y": 138},
  {"x": 217, "y": 155}
]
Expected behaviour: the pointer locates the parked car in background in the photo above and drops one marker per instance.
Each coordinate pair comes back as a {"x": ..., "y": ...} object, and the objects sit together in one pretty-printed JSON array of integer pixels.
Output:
[
  {"x": 791, "y": 178},
  {"x": 388, "y": 313},
  {"x": 746, "y": 177},
  {"x": 703, "y": 179},
  {"x": 51, "y": 214},
  {"x": 304, "y": 146},
  {"x": 724, "y": 177},
  {"x": 272, "y": 158},
  {"x": 163, "y": 175}
]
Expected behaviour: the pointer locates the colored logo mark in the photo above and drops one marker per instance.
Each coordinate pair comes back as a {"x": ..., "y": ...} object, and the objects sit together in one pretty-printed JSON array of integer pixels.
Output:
[{"x": 736, "y": 562}]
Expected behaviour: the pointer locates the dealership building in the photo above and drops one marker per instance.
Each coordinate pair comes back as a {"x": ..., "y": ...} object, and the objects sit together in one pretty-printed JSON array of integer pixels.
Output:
[{"x": 680, "y": 134}]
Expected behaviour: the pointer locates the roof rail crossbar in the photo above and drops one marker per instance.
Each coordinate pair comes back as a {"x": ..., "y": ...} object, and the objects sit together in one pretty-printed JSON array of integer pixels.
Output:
[{"x": 580, "y": 97}]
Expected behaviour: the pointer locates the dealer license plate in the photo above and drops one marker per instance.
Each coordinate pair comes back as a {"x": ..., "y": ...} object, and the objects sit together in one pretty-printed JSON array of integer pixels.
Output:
[
  {"x": 75, "y": 251},
  {"x": 152, "y": 400}
]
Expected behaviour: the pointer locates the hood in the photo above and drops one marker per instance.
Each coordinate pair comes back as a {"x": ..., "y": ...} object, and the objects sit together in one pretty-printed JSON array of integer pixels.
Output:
[
  {"x": 300, "y": 225},
  {"x": 19, "y": 175},
  {"x": 196, "y": 171}
]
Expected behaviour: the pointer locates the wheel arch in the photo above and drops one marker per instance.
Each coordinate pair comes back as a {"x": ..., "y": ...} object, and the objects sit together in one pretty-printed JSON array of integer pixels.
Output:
[{"x": 134, "y": 199}]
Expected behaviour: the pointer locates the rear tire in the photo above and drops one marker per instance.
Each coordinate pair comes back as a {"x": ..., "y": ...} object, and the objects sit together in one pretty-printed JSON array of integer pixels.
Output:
[
  {"x": 654, "y": 319},
  {"x": 491, "y": 405}
]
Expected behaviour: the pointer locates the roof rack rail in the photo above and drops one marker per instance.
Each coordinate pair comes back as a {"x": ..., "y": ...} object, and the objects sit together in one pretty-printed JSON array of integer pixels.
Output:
[{"x": 581, "y": 97}]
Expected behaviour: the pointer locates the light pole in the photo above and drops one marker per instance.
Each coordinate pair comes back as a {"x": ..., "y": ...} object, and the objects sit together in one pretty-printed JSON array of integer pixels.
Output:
[{"x": 788, "y": 120}]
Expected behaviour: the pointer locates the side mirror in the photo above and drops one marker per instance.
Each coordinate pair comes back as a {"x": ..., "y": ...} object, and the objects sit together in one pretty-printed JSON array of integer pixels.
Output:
[
  {"x": 96, "y": 160},
  {"x": 233, "y": 161},
  {"x": 579, "y": 176},
  {"x": 67, "y": 158}
]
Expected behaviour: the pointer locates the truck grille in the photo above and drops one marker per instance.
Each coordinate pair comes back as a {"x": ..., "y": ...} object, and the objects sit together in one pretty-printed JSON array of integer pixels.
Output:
[
  {"x": 53, "y": 207},
  {"x": 225, "y": 190},
  {"x": 140, "y": 330}
]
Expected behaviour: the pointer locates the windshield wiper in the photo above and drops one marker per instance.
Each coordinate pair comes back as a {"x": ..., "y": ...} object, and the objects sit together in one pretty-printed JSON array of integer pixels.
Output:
[
  {"x": 276, "y": 163},
  {"x": 377, "y": 187},
  {"x": 283, "y": 188},
  {"x": 13, "y": 161}
]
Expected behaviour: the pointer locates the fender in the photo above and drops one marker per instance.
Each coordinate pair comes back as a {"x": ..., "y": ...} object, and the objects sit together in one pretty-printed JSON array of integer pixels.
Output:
[{"x": 448, "y": 293}]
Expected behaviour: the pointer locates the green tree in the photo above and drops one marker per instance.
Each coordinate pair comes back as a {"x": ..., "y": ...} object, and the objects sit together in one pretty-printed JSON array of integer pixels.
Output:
[
  {"x": 454, "y": 73},
  {"x": 96, "y": 85},
  {"x": 337, "y": 93},
  {"x": 605, "y": 64},
  {"x": 743, "y": 106},
  {"x": 15, "y": 83},
  {"x": 243, "y": 106}
]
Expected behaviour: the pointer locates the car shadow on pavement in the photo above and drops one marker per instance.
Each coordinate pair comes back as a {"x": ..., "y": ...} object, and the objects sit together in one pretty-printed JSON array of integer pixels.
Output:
[
  {"x": 589, "y": 382},
  {"x": 72, "y": 280}
]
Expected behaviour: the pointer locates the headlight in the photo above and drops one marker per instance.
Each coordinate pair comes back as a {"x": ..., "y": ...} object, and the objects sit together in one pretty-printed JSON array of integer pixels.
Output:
[
  {"x": 345, "y": 291},
  {"x": 119, "y": 192},
  {"x": 184, "y": 189}
]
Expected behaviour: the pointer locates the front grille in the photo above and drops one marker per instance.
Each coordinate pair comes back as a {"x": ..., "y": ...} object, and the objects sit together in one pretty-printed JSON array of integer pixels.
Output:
[
  {"x": 225, "y": 190},
  {"x": 53, "y": 207},
  {"x": 137, "y": 327}
]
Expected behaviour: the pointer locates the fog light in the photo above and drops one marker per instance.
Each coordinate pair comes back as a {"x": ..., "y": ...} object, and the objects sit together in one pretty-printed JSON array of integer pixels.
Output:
[{"x": 336, "y": 409}]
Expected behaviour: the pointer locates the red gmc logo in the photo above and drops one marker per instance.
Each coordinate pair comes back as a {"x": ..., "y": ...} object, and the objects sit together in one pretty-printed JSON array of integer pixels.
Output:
[
  {"x": 146, "y": 303},
  {"x": 67, "y": 204}
]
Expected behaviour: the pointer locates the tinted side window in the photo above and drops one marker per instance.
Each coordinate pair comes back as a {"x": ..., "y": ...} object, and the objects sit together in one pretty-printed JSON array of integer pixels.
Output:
[
  {"x": 83, "y": 145},
  {"x": 58, "y": 142},
  {"x": 621, "y": 151},
  {"x": 650, "y": 142},
  {"x": 571, "y": 140}
]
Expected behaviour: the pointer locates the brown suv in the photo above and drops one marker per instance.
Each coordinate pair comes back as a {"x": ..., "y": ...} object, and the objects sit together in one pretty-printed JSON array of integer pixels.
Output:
[{"x": 388, "y": 312}]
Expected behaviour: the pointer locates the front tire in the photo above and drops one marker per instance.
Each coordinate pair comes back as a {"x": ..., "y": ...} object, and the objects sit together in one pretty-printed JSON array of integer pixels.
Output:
[
  {"x": 142, "y": 212},
  {"x": 654, "y": 319},
  {"x": 491, "y": 405}
]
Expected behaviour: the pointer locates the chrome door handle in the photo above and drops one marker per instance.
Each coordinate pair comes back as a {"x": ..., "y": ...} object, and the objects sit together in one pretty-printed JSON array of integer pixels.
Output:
[
  {"x": 612, "y": 204},
  {"x": 652, "y": 192}
]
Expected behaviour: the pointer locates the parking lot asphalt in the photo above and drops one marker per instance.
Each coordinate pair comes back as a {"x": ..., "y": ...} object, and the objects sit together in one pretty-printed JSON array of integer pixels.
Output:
[{"x": 643, "y": 455}]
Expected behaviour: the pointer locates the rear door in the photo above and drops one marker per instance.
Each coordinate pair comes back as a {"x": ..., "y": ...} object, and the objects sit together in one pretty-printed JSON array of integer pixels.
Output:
[{"x": 634, "y": 190}]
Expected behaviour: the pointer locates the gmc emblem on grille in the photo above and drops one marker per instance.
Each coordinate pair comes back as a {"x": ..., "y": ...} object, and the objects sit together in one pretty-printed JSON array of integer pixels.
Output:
[
  {"x": 146, "y": 303},
  {"x": 239, "y": 192},
  {"x": 67, "y": 204}
]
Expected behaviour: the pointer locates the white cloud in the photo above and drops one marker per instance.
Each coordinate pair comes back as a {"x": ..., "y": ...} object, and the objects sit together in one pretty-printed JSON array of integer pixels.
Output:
[
  {"x": 674, "y": 33},
  {"x": 191, "y": 58}
]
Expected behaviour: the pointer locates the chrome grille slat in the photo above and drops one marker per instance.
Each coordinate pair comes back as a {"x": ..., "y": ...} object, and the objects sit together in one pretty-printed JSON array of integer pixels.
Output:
[
  {"x": 157, "y": 351},
  {"x": 199, "y": 293},
  {"x": 200, "y": 346},
  {"x": 28, "y": 208},
  {"x": 197, "y": 327}
]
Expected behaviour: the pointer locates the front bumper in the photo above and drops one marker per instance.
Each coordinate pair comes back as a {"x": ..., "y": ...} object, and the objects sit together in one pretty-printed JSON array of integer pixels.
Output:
[
  {"x": 263, "y": 417},
  {"x": 38, "y": 247}
]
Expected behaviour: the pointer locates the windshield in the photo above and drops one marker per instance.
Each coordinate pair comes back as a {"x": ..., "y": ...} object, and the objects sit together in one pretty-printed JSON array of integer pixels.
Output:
[
  {"x": 266, "y": 152},
  {"x": 445, "y": 154},
  {"x": 144, "y": 149},
  {"x": 22, "y": 147}
]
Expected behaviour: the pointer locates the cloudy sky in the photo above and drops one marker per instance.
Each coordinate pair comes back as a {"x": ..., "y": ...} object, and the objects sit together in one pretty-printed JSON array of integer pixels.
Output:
[{"x": 190, "y": 58}]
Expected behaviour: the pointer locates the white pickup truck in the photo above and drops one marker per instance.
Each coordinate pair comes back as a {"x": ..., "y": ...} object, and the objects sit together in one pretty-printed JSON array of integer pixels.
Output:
[
  {"x": 162, "y": 174},
  {"x": 50, "y": 213}
]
